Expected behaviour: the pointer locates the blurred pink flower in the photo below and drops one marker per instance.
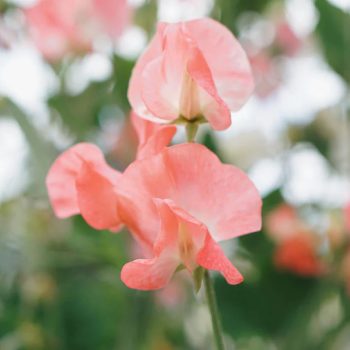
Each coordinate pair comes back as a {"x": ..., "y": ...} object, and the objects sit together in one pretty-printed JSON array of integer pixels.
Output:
[
  {"x": 266, "y": 73},
  {"x": 297, "y": 244},
  {"x": 178, "y": 205},
  {"x": 286, "y": 39},
  {"x": 61, "y": 26},
  {"x": 298, "y": 254},
  {"x": 191, "y": 69}
]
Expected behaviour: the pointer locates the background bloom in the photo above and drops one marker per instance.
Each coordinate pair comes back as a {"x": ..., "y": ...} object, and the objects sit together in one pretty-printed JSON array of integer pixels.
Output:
[
  {"x": 191, "y": 69},
  {"x": 61, "y": 26},
  {"x": 298, "y": 246}
]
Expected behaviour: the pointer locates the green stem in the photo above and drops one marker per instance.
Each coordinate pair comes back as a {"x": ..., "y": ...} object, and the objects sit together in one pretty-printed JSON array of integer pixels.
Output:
[
  {"x": 191, "y": 131},
  {"x": 213, "y": 308}
]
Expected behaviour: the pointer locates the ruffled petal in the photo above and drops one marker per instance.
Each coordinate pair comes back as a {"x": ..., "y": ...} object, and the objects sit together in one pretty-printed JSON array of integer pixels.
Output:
[
  {"x": 226, "y": 58},
  {"x": 148, "y": 274},
  {"x": 212, "y": 257},
  {"x": 153, "y": 51},
  {"x": 97, "y": 199},
  {"x": 79, "y": 163},
  {"x": 220, "y": 196},
  {"x": 212, "y": 106},
  {"x": 153, "y": 138}
]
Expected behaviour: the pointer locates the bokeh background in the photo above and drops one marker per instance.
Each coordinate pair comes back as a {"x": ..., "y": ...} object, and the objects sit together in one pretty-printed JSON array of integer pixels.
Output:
[{"x": 59, "y": 279}]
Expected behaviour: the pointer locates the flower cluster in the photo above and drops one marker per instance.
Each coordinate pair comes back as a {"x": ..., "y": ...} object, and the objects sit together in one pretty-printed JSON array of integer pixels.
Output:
[{"x": 180, "y": 201}]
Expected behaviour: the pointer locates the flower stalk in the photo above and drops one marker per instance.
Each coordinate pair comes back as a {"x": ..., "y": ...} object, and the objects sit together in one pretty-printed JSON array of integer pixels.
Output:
[{"x": 214, "y": 312}]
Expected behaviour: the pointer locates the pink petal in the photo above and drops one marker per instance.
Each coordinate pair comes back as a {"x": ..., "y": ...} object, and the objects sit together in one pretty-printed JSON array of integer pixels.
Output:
[
  {"x": 135, "y": 84},
  {"x": 153, "y": 137},
  {"x": 148, "y": 274},
  {"x": 61, "y": 179},
  {"x": 113, "y": 14},
  {"x": 220, "y": 196},
  {"x": 96, "y": 197},
  {"x": 162, "y": 77},
  {"x": 213, "y": 107},
  {"x": 212, "y": 257},
  {"x": 227, "y": 60}
]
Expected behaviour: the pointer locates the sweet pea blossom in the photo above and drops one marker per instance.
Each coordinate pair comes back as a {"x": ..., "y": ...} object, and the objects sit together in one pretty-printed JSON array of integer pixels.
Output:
[
  {"x": 191, "y": 70},
  {"x": 61, "y": 26},
  {"x": 179, "y": 204}
]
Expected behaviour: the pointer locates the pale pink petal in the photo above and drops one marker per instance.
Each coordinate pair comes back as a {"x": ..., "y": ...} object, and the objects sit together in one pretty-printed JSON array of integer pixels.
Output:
[
  {"x": 153, "y": 51},
  {"x": 212, "y": 257},
  {"x": 162, "y": 78},
  {"x": 152, "y": 137},
  {"x": 220, "y": 196},
  {"x": 148, "y": 274},
  {"x": 61, "y": 179},
  {"x": 213, "y": 108},
  {"x": 96, "y": 197},
  {"x": 205, "y": 184},
  {"x": 227, "y": 60},
  {"x": 113, "y": 14}
]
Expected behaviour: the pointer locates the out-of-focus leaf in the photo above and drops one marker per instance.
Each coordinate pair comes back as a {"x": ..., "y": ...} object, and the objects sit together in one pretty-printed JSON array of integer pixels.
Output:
[
  {"x": 334, "y": 30},
  {"x": 41, "y": 150},
  {"x": 80, "y": 112}
]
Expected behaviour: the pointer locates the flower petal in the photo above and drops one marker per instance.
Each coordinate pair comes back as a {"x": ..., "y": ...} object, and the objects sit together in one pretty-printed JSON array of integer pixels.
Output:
[
  {"x": 135, "y": 85},
  {"x": 213, "y": 107},
  {"x": 96, "y": 197},
  {"x": 212, "y": 257},
  {"x": 198, "y": 187},
  {"x": 62, "y": 176},
  {"x": 227, "y": 60},
  {"x": 152, "y": 137},
  {"x": 148, "y": 274}
]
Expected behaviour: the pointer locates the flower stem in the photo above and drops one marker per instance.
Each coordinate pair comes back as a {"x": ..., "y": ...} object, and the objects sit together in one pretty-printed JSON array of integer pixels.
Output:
[
  {"x": 213, "y": 308},
  {"x": 191, "y": 131}
]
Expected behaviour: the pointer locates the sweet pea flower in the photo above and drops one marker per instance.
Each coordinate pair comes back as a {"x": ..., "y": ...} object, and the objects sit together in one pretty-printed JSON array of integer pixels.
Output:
[
  {"x": 179, "y": 204},
  {"x": 191, "y": 71},
  {"x": 61, "y": 26}
]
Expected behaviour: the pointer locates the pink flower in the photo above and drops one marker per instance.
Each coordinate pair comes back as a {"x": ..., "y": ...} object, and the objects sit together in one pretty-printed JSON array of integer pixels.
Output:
[
  {"x": 178, "y": 205},
  {"x": 266, "y": 73},
  {"x": 287, "y": 39},
  {"x": 61, "y": 26},
  {"x": 81, "y": 182},
  {"x": 192, "y": 70}
]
